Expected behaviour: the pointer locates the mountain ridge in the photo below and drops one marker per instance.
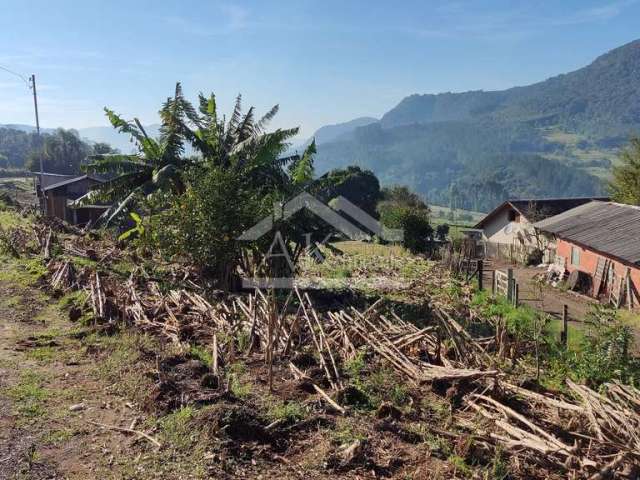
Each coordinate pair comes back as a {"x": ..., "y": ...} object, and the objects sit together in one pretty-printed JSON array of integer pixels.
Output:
[{"x": 572, "y": 124}]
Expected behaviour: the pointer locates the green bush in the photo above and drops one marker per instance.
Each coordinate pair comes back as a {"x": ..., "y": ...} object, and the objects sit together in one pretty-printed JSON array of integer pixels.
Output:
[
  {"x": 605, "y": 352},
  {"x": 522, "y": 322},
  {"x": 206, "y": 221},
  {"x": 442, "y": 231},
  {"x": 414, "y": 221}
]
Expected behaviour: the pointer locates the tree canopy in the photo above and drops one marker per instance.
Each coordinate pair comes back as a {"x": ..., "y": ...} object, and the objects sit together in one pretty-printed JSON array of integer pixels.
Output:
[
  {"x": 63, "y": 151},
  {"x": 361, "y": 187},
  {"x": 625, "y": 186}
]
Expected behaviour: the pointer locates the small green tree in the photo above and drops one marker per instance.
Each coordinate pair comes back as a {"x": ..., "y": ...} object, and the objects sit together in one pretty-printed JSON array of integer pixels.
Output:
[
  {"x": 361, "y": 187},
  {"x": 402, "y": 195},
  {"x": 442, "y": 231},
  {"x": 203, "y": 224},
  {"x": 418, "y": 233},
  {"x": 405, "y": 210},
  {"x": 625, "y": 186}
]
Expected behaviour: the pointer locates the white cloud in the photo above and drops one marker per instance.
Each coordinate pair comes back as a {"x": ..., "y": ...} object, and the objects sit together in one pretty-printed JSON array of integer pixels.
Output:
[
  {"x": 234, "y": 19},
  {"x": 463, "y": 21},
  {"x": 595, "y": 14}
]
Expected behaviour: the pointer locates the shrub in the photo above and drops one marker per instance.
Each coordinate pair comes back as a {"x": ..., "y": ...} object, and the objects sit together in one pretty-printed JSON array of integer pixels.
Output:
[
  {"x": 414, "y": 221},
  {"x": 442, "y": 231},
  {"x": 289, "y": 412},
  {"x": 207, "y": 220},
  {"x": 604, "y": 353}
]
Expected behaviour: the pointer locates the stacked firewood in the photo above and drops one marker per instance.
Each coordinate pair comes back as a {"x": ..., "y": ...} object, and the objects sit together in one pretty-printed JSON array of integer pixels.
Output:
[{"x": 596, "y": 436}]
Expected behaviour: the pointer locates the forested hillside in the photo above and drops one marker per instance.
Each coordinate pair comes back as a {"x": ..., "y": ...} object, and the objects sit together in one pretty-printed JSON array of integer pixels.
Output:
[
  {"x": 474, "y": 149},
  {"x": 15, "y": 147},
  {"x": 63, "y": 151}
]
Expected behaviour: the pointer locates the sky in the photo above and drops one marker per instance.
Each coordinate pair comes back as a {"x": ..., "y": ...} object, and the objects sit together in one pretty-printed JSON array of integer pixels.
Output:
[{"x": 322, "y": 61}]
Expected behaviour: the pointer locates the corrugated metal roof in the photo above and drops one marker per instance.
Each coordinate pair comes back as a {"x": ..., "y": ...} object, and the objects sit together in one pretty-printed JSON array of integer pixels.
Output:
[
  {"x": 70, "y": 181},
  {"x": 539, "y": 208},
  {"x": 49, "y": 179},
  {"x": 607, "y": 227}
]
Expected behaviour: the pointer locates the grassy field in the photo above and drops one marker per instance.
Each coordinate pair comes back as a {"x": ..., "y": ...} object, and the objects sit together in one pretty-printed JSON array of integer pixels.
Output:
[
  {"x": 440, "y": 212},
  {"x": 354, "y": 247},
  {"x": 18, "y": 189},
  {"x": 579, "y": 151}
]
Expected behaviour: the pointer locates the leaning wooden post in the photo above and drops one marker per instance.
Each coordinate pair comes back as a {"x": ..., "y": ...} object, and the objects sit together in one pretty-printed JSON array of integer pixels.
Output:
[
  {"x": 214, "y": 354},
  {"x": 510, "y": 282},
  {"x": 564, "y": 336},
  {"x": 628, "y": 285},
  {"x": 480, "y": 275},
  {"x": 493, "y": 283}
]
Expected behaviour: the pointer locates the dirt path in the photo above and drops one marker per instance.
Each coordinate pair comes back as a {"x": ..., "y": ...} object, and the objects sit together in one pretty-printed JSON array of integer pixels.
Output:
[
  {"x": 550, "y": 300},
  {"x": 48, "y": 394}
]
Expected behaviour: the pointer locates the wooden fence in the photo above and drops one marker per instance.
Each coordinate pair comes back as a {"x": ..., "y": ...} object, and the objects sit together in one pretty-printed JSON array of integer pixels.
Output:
[
  {"x": 514, "y": 253},
  {"x": 501, "y": 283}
]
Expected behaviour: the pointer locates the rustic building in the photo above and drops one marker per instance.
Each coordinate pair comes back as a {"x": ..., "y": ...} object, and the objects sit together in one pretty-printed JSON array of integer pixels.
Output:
[
  {"x": 58, "y": 199},
  {"x": 508, "y": 232},
  {"x": 601, "y": 239}
]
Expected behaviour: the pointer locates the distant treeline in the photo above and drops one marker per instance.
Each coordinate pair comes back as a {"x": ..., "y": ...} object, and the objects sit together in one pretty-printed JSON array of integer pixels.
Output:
[{"x": 63, "y": 151}]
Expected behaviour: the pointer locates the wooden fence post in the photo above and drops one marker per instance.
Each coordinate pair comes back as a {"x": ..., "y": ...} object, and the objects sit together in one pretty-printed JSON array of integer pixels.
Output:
[
  {"x": 516, "y": 294},
  {"x": 510, "y": 282},
  {"x": 493, "y": 283},
  {"x": 480, "y": 275},
  {"x": 564, "y": 335}
]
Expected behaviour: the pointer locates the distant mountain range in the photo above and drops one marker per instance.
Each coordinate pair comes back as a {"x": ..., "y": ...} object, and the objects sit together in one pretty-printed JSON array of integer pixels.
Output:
[
  {"x": 329, "y": 133},
  {"x": 558, "y": 137}
]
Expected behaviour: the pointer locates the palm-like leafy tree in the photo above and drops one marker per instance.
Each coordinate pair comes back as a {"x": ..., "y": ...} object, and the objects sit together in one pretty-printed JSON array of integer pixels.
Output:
[
  {"x": 157, "y": 165},
  {"x": 240, "y": 144}
]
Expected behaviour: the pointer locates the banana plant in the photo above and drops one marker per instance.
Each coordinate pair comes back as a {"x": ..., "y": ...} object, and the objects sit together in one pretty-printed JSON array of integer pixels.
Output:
[
  {"x": 137, "y": 230},
  {"x": 157, "y": 166}
]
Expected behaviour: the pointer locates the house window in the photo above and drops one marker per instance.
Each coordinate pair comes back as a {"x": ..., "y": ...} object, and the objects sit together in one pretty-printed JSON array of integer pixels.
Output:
[
  {"x": 575, "y": 256},
  {"x": 514, "y": 216}
]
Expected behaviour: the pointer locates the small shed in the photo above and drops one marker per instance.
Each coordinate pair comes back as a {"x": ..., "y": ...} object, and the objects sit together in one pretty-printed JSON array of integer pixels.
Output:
[
  {"x": 44, "y": 180},
  {"x": 59, "y": 198},
  {"x": 601, "y": 239}
]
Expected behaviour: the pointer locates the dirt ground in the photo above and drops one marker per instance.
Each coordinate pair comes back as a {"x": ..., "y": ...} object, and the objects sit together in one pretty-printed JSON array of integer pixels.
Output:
[
  {"x": 19, "y": 190},
  {"x": 48, "y": 398},
  {"x": 550, "y": 300}
]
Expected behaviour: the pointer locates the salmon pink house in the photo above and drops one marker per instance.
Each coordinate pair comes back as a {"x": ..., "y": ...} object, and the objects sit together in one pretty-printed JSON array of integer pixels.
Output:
[{"x": 602, "y": 240}]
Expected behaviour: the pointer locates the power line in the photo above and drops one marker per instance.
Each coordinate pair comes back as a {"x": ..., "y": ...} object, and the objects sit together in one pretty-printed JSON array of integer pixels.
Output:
[
  {"x": 22, "y": 77},
  {"x": 31, "y": 84}
]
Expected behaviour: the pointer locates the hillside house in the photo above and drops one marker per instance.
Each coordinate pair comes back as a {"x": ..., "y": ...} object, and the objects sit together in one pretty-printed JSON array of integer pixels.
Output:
[
  {"x": 47, "y": 179},
  {"x": 601, "y": 239},
  {"x": 508, "y": 232},
  {"x": 58, "y": 199}
]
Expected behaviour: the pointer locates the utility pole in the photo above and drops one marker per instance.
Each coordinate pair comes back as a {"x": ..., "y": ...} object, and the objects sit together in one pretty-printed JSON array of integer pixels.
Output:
[{"x": 35, "y": 105}]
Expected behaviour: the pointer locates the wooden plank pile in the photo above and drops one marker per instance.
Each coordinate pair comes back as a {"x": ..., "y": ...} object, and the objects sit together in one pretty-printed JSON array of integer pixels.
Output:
[{"x": 596, "y": 436}]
